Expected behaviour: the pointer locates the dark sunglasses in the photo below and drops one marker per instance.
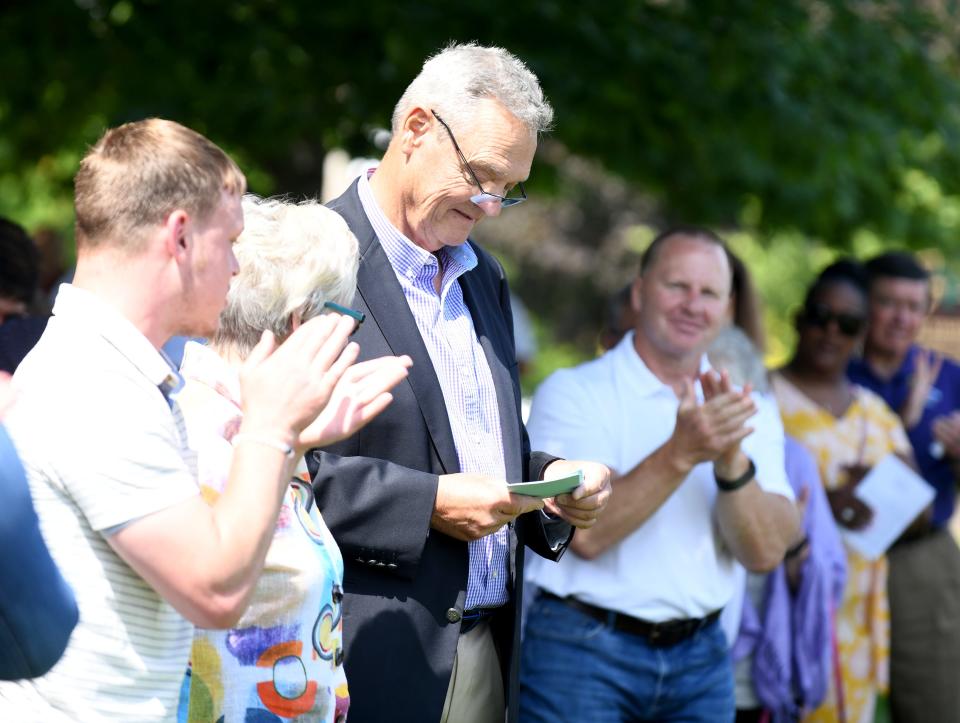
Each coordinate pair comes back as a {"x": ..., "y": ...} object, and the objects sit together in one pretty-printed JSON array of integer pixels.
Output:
[{"x": 820, "y": 316}]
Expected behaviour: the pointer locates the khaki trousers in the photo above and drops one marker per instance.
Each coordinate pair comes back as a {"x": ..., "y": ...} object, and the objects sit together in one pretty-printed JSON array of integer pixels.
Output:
[
  {"x": 924, "y": 590},
  {"x": 475, "y": 694}
]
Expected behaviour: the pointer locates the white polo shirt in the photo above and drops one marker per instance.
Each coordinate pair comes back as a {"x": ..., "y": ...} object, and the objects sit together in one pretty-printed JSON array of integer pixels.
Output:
[
  {"x": 102, "y": 446},
  {"x": 615, "y": 411}
]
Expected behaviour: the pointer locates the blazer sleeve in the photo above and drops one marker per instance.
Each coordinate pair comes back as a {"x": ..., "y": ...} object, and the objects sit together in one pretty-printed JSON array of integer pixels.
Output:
[{"x": 378, "y": 511}]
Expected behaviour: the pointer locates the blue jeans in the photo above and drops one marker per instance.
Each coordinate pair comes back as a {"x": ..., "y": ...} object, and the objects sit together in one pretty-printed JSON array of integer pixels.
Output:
[{"x": 574, "y": 668}]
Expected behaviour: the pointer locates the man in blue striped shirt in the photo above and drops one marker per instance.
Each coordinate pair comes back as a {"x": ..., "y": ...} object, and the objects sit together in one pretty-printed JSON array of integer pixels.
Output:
[{"x": 431, "y": 536}]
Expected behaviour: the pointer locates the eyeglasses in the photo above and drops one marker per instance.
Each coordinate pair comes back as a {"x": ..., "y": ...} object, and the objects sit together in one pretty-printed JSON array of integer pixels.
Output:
[
  {"x": 820, "y": 316},
  {"x": 483, "y": 196}
]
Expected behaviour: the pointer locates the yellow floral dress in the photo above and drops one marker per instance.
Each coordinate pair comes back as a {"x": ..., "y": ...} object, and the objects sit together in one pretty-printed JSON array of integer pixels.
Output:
[{"x": 866, "y": 432}]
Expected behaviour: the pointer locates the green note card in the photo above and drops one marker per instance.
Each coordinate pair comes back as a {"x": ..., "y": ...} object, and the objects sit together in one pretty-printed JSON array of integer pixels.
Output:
[{"x": 548, "y": 488}]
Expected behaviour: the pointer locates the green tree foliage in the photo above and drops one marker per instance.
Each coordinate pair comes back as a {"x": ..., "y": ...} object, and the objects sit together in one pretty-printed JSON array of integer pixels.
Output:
[
  {"x": 809, "y": 119},
  {"x": 820, "y": 116}
]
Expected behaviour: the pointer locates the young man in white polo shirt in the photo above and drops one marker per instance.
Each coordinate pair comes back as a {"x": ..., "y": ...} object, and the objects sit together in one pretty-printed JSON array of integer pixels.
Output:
[
  {"x": 103, "y": 442},
  {"x": 626, "y": 628}
]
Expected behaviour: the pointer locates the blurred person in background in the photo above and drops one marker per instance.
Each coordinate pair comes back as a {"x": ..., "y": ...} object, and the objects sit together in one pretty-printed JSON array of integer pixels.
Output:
[
  {"x": 782, "y": 653},
  {"x": 19, "y": 268},
  {"x": 923, "y": 386},
  {"x": 627, "y": 628},
  {"x": 848, "y": 429},
  {"x": 293, "y": 258},
  {"x": 37, "y": 608}
]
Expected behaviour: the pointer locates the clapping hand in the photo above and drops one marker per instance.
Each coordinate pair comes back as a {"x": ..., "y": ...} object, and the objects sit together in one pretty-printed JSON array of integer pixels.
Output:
[
  {"x": 926, "y": 369},
  {"x": 712, "y": 431},
  {"x": 359, "y": 395},
  {"x": 946, "y": 431},
  {"x": 287, "y": 388}
]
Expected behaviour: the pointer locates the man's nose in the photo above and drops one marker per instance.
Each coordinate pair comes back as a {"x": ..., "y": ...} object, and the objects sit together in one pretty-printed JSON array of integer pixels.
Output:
[{"x": 490, "y": 207}]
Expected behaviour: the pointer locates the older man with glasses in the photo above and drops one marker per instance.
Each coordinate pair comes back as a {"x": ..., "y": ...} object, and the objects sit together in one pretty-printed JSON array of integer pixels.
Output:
[{"x": 431, "y": 535}]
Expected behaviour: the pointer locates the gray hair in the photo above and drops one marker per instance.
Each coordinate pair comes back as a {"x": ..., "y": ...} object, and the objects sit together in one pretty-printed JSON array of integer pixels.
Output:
[
  {"x": 293, "y": 257},
  {"x": 734, "y": 351},
  {"x": 454, "y": 79}
]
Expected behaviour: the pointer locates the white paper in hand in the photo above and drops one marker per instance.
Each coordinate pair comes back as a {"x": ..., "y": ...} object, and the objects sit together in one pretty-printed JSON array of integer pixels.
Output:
[{"x": 896, "y": 494}]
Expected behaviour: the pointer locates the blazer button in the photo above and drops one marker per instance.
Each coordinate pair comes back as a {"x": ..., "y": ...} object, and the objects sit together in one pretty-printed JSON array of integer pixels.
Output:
[
  {"x": 391, "y": 565},
  {"x": 453, "y": 615}
]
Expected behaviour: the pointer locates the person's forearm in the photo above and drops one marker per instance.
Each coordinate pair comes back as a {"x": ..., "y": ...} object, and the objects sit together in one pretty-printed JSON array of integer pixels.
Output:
[
  {"x": 635, "y": 497},
  {"x": 205, "y": 559},
  {"x": 245, "y": 519},
  {"x": 757, "y": 526}
]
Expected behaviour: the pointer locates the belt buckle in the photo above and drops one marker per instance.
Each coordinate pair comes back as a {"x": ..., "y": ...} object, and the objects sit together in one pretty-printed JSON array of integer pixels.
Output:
[
  {"x": 668, "y": 633},
  {"x": 653, "y": 637}
]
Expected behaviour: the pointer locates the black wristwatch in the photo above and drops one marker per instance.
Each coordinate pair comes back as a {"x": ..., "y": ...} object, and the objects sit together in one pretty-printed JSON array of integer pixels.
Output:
[{"x": 729, "y": 485}]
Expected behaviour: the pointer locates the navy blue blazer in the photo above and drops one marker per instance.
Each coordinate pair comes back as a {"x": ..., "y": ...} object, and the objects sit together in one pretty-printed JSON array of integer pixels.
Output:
[{"x": 405, "y": 583}]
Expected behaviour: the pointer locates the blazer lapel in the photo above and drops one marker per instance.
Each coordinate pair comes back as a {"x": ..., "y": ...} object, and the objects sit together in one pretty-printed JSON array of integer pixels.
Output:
[{"x": 377, "y": 284}]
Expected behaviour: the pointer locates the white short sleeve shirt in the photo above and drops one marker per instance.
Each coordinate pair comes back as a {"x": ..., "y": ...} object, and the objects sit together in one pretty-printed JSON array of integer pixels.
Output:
[
  {"x": 615, "y": 411},
  {"x": 103, "y": 445}
]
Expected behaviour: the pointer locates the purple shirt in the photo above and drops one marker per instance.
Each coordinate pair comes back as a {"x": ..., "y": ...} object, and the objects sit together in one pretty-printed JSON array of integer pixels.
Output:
[
  {"x": 461, "y": 367},
  {"x": 790, "y": 638},
  {"x": 943, "y": 399}
]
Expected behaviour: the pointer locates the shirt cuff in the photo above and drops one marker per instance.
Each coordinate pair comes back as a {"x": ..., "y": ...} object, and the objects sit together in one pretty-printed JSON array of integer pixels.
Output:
[{"x": 556, "y": 530}]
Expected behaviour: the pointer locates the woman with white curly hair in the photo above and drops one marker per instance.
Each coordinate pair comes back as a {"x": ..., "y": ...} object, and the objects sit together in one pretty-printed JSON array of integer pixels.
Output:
[{"x": 285, "y": 655}]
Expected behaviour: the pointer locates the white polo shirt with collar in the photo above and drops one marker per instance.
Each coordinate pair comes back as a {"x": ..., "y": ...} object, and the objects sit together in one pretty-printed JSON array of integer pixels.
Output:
[
  {"x": 615, "y": 411},
  {"x": 103, "y": 445}
]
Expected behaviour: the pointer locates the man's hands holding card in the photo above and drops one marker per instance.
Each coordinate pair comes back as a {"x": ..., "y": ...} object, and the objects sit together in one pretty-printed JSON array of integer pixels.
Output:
[{"x": 581, "y": 506}]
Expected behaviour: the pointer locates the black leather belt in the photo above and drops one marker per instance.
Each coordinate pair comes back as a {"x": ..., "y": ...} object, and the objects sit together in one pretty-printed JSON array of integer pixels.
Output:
[{"x": 658, "y": 635}]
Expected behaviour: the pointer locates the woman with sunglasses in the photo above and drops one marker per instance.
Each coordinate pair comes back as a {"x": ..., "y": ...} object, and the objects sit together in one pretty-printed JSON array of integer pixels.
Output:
[{"x": 848, "y": 429}]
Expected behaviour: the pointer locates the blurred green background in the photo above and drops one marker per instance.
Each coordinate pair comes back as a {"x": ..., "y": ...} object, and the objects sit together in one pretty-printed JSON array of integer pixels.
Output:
[{"x": 798, "y": 129}]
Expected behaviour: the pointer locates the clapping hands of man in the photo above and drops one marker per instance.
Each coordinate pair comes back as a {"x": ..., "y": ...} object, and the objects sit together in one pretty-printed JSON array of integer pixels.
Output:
[
  {"x": 325, "y": 396},
  {"x": 712, "y": 431}
]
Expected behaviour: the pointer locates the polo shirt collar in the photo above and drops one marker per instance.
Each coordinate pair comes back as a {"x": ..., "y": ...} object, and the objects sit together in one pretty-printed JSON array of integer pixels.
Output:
[
  {"x": 633, "y": 367},
  {"x": 81, "y": 307},
  {"x": 861, "y": 366}
]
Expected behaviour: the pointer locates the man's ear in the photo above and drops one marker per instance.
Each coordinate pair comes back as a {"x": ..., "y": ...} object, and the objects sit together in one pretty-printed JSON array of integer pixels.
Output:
[
  {"x": 176, "y": 228},
  {"x": 415, "y": 126}
]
